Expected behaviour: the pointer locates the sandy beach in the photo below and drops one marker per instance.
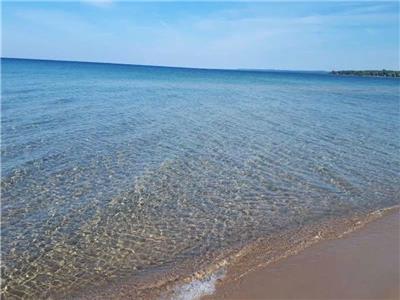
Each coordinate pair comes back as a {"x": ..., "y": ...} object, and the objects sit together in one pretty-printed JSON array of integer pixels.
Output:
[{"x": 364, "y": 264}]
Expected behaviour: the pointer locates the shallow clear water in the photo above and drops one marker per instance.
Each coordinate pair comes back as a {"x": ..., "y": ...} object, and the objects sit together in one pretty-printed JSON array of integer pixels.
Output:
[{"x": 109, "y": 171}]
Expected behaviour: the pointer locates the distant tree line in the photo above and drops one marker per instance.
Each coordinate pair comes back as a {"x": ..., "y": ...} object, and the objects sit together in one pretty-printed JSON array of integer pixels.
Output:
[{"x": 376, "y": 73}]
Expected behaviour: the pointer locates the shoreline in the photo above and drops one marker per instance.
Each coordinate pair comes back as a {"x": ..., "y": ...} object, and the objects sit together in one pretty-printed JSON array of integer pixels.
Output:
[
  {"x": 360, "y": 264},
  {"x": 225, "y": 270},
  {"x": 265, "y": 251}
]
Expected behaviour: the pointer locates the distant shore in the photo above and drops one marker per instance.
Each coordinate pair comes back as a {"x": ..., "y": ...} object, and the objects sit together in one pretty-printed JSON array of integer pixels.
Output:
[
  {"x": 362, "y": 265},
  {"x": 368, "y": 73}
]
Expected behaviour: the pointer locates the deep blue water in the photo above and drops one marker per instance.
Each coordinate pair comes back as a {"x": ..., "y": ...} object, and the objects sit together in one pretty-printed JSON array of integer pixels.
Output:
[{"x": 113, "y": 170}]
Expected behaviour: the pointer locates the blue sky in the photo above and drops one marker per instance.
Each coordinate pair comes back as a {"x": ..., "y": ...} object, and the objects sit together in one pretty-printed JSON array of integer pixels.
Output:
[{"x": 318, "y": 35}]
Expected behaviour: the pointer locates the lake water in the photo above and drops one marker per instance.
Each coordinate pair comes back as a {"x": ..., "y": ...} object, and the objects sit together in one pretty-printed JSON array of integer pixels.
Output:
[{"x": 117, "y": 171}]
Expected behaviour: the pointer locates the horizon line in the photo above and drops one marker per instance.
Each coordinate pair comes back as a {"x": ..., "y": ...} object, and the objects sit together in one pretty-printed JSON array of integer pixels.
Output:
[
  {"x": 168, "y": 66},
  {"x": 195, "y": 68}
]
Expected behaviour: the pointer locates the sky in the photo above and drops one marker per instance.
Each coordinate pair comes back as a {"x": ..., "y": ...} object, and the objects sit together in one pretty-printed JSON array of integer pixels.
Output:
[{"x": 317, "y": 35}]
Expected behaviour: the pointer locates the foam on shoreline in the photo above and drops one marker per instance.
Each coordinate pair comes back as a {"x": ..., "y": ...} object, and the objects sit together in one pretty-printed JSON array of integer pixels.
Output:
[{"x": 197, "y": 288}]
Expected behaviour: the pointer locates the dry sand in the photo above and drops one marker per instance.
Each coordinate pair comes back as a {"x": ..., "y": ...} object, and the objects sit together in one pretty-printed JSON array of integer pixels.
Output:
[{"x": 362, "y": 265}]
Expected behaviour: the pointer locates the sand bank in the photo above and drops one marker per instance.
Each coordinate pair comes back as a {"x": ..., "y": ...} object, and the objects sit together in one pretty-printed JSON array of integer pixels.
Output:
[{"x": 364, "y": 264}]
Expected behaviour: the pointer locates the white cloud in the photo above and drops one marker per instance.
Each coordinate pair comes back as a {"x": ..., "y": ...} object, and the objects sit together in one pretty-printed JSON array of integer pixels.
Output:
[{"x": 99, "y": 3}]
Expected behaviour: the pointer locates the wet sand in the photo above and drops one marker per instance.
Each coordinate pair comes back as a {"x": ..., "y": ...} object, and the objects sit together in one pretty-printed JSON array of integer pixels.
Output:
[{"x": 364, "y": 264}]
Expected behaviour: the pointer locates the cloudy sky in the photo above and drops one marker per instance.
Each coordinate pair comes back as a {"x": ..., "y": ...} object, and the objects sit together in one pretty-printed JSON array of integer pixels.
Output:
[{"x": 317, "y": 35}]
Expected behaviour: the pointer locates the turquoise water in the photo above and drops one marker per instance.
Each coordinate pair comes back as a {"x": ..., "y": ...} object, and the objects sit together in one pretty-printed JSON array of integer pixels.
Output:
[{"x": 113, "y": 171}]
